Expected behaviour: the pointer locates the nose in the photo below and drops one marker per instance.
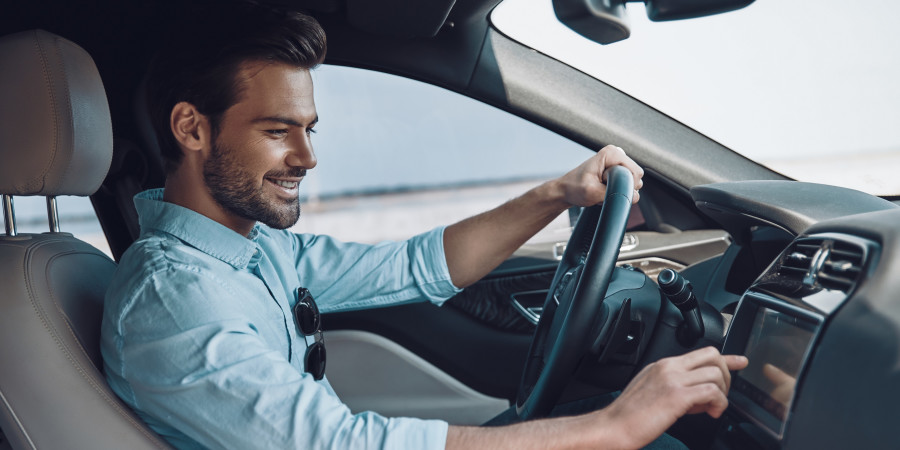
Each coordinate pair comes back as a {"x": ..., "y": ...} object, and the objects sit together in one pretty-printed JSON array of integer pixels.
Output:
[{"x": 301, "y": 154}]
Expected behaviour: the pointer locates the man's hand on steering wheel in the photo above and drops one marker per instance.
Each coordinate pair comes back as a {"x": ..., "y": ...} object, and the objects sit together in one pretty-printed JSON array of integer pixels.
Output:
[{"x": 585, "y": 185}]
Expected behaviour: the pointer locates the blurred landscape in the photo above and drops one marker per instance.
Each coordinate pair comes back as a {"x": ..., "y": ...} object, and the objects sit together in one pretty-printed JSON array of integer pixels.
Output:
[
  {"x": 872, "y": 172},
  {"x": 400, "y": 214},
  {"x": 357, "y": 218}
]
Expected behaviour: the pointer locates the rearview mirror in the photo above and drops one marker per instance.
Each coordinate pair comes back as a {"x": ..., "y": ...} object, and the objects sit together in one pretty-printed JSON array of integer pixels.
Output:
[{"x": 605, "y": 21}]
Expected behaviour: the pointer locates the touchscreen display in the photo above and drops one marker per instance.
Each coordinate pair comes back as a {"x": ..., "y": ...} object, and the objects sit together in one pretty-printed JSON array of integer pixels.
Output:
[{"x": 776, "y": 347}]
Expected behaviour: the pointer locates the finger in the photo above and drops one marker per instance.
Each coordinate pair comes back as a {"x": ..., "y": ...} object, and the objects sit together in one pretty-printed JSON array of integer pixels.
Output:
[
  {"x": 635, "y": 195},
  {"x": 736, "y": 362},
  {"x": 703, "y": 375},
  {"x": 728, "y": 363},
  {"x": 700, "y": 357},
  {"x": 709, "y": 399},
  {"x": 615, "y": 155},
  {"x": 708, "y": 356}
]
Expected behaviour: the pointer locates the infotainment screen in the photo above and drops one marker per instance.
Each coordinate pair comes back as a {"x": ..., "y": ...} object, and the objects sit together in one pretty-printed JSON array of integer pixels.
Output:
[{"x": 776, "y": 346}]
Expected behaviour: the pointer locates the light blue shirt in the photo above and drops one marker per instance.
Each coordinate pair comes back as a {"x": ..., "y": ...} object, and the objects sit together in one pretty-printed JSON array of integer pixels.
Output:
[{"x": 198, "y": 335}]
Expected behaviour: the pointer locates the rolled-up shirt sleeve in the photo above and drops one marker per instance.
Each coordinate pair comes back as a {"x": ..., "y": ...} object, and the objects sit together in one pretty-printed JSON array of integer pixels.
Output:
[
  {"x": 366, "y": 276},
  {"x": 202, "y": 368}
]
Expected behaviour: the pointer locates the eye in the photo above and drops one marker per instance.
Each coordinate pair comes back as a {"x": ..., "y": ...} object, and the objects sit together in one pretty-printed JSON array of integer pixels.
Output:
[
  {"x": 280, "y": 132},
  {"x": 310, "y": 130}
]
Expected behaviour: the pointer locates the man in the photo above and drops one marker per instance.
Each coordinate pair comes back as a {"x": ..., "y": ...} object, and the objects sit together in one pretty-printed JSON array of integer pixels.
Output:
[{"x": 201, "y": 335}]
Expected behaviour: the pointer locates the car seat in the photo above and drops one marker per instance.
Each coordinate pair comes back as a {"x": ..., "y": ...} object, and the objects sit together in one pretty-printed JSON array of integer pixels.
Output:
[{"x": 55, "y": 139}]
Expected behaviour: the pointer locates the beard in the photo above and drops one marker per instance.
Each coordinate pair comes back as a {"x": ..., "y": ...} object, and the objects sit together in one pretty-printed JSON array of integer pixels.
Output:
[{"x": 236, "y": 190}]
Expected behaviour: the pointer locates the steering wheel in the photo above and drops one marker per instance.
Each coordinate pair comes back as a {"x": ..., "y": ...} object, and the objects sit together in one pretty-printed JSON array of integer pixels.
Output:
[{"x": 575, "y": 299}]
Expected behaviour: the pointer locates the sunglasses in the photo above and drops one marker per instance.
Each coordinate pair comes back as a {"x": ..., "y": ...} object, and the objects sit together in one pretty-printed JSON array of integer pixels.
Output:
[{"x": 309, "y": 321}]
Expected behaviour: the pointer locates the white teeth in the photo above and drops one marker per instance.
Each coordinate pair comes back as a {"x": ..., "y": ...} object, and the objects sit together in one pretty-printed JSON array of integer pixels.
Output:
[{"x": 286, "y": 184}]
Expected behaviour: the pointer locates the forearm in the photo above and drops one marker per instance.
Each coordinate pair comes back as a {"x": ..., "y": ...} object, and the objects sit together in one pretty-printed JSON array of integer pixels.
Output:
[
  {"x": 475, "y": 246},
  {"x": 580, "y": 432}
]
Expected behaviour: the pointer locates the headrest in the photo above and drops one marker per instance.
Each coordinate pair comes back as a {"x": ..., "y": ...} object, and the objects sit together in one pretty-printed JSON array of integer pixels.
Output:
[{"x": 55, "y": 127}]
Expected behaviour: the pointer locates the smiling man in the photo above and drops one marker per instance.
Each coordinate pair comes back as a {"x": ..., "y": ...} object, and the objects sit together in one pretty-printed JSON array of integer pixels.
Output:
[
  {"x": 253, "y": 160},
  {"x": 211, "y": 328}
]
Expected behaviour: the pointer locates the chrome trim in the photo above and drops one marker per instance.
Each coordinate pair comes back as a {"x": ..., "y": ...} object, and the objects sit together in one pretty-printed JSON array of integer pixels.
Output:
[
  {"x": 818, "y": 260},
  {"x": 563, "y": 283},
  {"x": 651, "y": 266},
  {"x": 9, "y": 215},
  {"x": 52, "y": 214},
  {"x": 558, "y": 249},
  {"x": 532, "y": 315},
  {"x": 629, "y": 242},
  {"x": 679, "y": 246}
]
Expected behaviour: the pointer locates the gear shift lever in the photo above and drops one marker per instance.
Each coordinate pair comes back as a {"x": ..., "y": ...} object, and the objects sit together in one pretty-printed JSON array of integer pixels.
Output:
[{"x": 680, "y": 292}]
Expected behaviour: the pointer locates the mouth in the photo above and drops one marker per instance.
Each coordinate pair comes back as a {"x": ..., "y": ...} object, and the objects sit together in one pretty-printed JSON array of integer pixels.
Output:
[{"x": 288, "y": 186}]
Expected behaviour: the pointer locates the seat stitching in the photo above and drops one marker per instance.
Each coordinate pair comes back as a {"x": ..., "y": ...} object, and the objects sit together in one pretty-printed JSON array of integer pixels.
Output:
[
  {"x": 44, "y": 321},
  {"x": 70, "y": 115},
  {"x": 55, "y": 119}
]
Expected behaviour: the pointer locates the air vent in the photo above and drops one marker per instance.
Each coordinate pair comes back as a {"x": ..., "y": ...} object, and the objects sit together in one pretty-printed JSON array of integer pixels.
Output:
[
  {"x": 843, "y": 266},
  {"x": 798, "y": 259},
  {"x": 826, "y": 263}
]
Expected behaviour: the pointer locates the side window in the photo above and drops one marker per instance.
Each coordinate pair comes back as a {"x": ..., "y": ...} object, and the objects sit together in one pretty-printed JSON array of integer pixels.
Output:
[
  {"x": 398, "y": 157},
  {"x": 76, "y": 216}
]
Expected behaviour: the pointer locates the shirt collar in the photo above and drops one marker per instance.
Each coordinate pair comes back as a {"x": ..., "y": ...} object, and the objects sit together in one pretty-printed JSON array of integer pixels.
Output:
[{"x": 196, "y": 230}]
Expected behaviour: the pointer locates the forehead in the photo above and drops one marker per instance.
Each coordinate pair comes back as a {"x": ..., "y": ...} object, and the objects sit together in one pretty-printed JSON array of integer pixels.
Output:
[{"x": 273, "y": 89}]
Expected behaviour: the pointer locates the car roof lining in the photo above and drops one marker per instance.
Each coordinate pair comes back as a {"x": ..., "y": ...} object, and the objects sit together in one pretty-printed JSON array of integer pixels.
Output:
[{"x": 395, "y": 18}]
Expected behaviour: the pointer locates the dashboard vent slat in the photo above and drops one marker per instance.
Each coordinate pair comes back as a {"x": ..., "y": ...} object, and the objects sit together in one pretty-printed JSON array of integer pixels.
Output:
[
  {"x": 843, "y": 266},
  {"x": 825, "y": 263}
]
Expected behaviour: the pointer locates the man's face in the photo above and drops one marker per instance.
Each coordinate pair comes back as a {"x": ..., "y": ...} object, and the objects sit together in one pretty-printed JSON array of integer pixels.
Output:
[{"x": 263, "y": 150}]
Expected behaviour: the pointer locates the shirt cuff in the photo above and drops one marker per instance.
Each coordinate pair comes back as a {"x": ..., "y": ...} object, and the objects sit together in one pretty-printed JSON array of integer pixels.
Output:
[
  {"x": 406, "y": 433},
  {"x": 430, "y": 266}
]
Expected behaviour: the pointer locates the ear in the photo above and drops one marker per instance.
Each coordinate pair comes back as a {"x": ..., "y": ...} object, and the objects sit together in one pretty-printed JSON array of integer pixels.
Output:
[{"x": 191, "y": 129}]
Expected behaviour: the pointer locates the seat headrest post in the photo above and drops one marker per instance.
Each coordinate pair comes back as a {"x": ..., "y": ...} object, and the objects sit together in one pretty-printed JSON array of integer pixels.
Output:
[
  {"x": 9, "y": 215},
  {"x": 52, "y": 214}
]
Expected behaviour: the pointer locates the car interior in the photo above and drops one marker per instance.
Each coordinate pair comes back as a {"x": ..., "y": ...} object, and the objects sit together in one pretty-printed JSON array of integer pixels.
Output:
[{"x": 720, "y": 250}]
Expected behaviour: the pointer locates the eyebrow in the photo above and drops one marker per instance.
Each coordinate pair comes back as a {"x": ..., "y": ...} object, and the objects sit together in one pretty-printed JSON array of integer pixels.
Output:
[{"x": 285, "y": 120}]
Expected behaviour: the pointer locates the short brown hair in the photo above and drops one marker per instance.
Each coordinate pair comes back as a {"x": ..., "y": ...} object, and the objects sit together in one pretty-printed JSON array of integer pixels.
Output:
[{"x": 200, "y": 61}]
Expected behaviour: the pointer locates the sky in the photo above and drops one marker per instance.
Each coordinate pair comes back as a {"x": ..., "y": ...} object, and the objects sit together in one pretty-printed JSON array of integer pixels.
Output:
[{"x": 779, "y": 80}]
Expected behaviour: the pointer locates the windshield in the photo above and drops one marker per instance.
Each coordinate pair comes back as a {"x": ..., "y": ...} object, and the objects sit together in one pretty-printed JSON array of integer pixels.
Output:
[{"x": 809, "y": 89}]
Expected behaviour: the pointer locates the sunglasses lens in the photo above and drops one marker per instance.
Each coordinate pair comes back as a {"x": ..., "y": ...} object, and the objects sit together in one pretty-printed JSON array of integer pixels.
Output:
[
  {"x": 307, "y": 312},
  {"x": 315, "y": 360},
  {"x": 307, "y": 317}
]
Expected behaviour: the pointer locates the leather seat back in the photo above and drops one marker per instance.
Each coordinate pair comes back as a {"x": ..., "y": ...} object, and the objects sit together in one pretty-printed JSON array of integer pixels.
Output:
[{"x": 55, "y": 139}]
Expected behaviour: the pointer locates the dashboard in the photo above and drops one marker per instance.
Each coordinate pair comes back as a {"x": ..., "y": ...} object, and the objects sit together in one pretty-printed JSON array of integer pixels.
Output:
[{"x": 820, "y": 324}]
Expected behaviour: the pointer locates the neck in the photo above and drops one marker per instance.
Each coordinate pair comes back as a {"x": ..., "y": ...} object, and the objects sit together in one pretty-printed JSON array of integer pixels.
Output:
[{"x": 185, "y": 187}]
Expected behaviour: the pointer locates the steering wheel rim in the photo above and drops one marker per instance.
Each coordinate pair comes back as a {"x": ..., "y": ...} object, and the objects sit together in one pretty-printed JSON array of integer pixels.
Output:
[{"x": 575, "y": 299}]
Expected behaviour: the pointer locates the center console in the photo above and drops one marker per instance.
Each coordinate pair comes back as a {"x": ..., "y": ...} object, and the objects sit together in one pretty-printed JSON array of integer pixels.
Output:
[{"x": 777, "y": 325}]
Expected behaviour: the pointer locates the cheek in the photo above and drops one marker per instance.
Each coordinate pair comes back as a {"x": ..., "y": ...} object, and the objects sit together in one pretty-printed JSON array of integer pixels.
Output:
[{"x": 260, "y": 157}]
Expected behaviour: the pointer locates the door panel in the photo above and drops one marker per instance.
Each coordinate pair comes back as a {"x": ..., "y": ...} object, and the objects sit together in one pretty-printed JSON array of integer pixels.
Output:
[
  {"x": 480, "y": 356},
  {"x": 371, "y": 373}
]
